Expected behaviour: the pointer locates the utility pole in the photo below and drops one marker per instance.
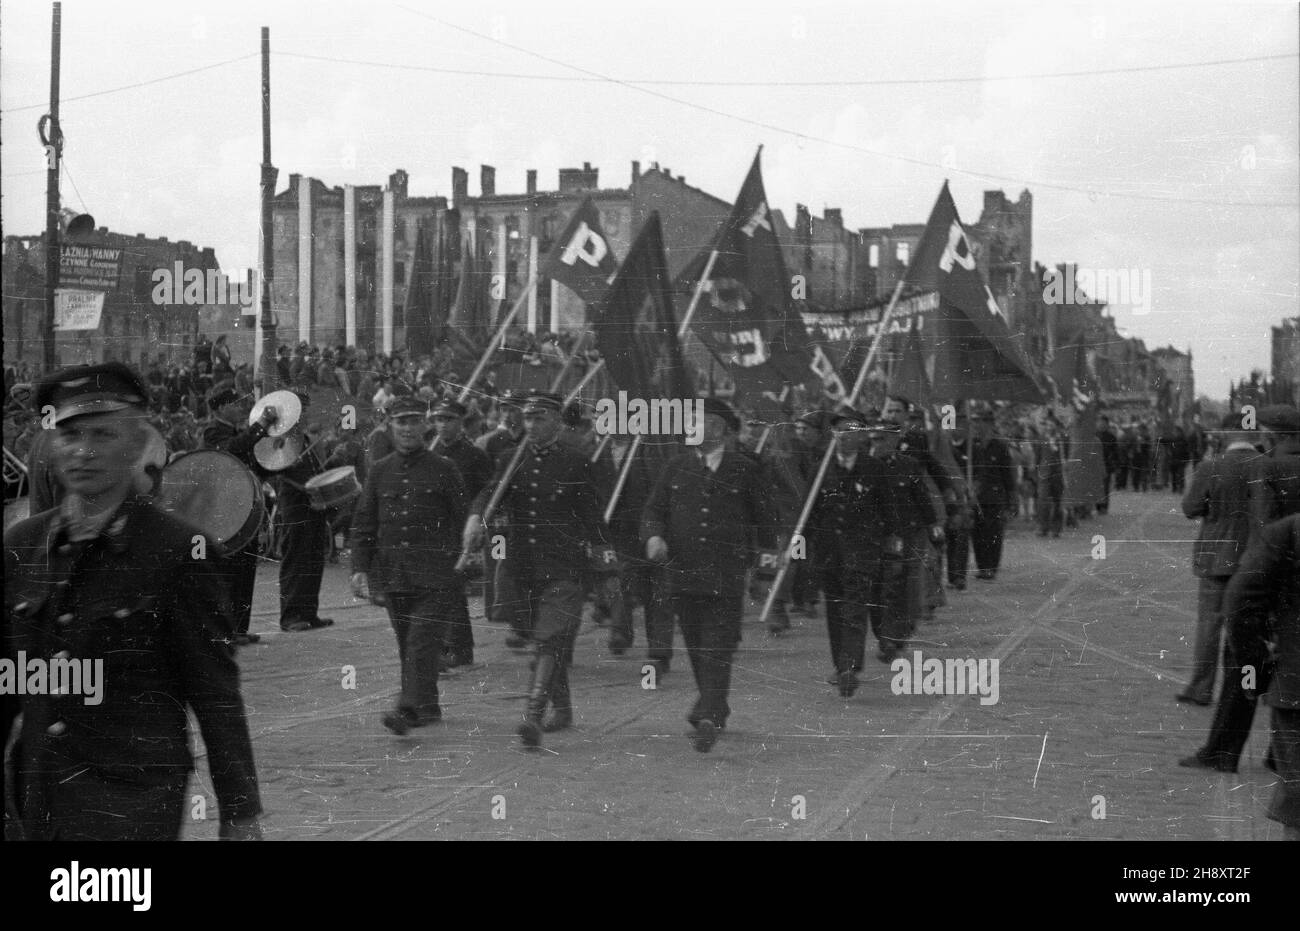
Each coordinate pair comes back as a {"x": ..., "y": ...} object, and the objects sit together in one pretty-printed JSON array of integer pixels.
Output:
[
  {"x": 269, "y": 371},
  {"x": 52, "y": 138}
]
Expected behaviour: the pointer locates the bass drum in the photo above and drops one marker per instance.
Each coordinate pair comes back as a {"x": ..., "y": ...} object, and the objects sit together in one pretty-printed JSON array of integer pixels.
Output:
[{"x": 216, "y": 493}]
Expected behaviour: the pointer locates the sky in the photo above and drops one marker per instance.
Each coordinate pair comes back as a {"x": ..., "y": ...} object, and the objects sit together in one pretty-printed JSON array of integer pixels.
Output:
[{"x": 1188, "y": 174}]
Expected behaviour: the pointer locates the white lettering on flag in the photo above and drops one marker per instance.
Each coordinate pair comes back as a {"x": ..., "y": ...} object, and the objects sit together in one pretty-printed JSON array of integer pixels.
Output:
[
  {"x": 950, "y": 254},
  {"x": 758, "y": 219},
  {"x": 585, "y": 245}
]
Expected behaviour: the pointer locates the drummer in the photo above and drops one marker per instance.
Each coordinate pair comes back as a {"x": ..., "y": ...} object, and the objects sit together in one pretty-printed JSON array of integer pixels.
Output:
[{"x": 228, "y": 431}]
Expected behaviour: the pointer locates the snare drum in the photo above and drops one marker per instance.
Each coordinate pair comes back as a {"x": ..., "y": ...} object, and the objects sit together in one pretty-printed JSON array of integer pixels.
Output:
[
  {"x": 216, "y": 493},
  {"x": 333, "y": 489}
]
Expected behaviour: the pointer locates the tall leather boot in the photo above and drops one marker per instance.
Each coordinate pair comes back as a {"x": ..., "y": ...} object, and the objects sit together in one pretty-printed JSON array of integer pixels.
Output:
[
  {"x": 530, "y": 731},
  {"x": 561, "y": 700}
]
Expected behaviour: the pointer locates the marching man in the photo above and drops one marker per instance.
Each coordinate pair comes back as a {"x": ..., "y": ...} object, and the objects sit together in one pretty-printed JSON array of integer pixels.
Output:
[
  {"x": 406, "y": 539},
  {"x": 707, "y": 515}
]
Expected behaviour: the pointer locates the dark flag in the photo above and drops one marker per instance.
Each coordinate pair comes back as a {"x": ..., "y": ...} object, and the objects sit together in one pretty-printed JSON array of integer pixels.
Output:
[
  {"x": 582, "y": 259},
  {"x": 745, "y": 315},
  {"x": 907, "y": 378},
  {"x": 418, "y": 310},
  {"x": 1085, "y": 470},
  {"x": 469, "y": 327},
  {"x": 636, "y": 327},
  {"x": 977, "y": 356}
]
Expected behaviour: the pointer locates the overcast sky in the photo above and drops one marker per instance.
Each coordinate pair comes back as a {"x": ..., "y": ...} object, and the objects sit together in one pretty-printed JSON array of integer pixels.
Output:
[{"x": 1160, "y": 169}]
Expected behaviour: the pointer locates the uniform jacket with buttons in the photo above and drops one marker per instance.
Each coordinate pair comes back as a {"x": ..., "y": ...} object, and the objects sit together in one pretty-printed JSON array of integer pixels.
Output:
[
  {"x": 406, "y": 528},
  {"x": 850, "y": 518},
  {"x": 136, "y": 598},
  {"x": 712, "y": 522},
  {"x": 553, "y": 513},
  {"x": 909, "y": 509},
  {"x": 1219, "y": 493},
  {"x": 473, "y": 463}
]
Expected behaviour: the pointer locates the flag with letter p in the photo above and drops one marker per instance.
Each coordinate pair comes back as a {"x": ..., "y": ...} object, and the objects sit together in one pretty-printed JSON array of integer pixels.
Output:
[{"x": 582, "y": 259}]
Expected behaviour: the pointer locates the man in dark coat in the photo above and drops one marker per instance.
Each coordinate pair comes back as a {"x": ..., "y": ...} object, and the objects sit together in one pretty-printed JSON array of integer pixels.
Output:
[
  {"x": 475, "y": 470},
  {"x": 555, "y": 533},
  {"x": 406, "y": 539},
  {"x": 911, "y": 516},
  {"x": 1274, "y": 493},
  {"x": 1262, "y": 606},
  {"x": 994, "y": 496},
  {"x": 846, "y": 534},
  {"x": 708, "y": 512},
  {"x": 106, "y": 582},
  {"x": 1219, "y": 496}
]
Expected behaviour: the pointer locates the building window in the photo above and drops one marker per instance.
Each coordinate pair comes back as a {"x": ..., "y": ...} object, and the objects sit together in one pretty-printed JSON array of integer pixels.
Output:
[
  {"x": 873, "y": 255},
  {"x": 902, "y": 253}
]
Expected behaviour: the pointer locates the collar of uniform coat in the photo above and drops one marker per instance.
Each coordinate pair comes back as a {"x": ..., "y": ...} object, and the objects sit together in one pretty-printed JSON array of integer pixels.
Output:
[{"x": 72, "y": 526}]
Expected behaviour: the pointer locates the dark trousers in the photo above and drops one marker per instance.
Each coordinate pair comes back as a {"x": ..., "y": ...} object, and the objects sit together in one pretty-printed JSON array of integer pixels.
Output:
[
  {"x": 803, "y": 590},
  {"x": 306, "y": 538},
  {"x": 1233, "y": 715},
  {"x": 1121, "y": 478},
  {"x": 851, "y": 586},
  {"x": 1177, "y": 475},
  {"x": 1104, "y": 504},
  {"x": 1209, "y": 633},
  {"x": 239, "y": 572},
  {"x": 420, "y": 620},
  {"x": 1286, "y": 754},
  {"x": 711, "y": 629},
  {"x": 1051, "y": 518},
  {"x": 509, "y": 604},
  {"x": 642, "y": 582},
  {"x": 902, "y": 596},
  {"x": 958, "y": 542},
  {"x": 554, "y": 608},
  {"x": 986, "y": 534},
  {"x": 460, "y": 632}
]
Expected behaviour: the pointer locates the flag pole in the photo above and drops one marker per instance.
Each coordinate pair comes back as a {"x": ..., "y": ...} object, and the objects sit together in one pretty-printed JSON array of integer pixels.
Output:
[
  {"x": 813, "y": 490},
  {"x": 622, "y": 477},
  {"x": 695, "y": 298},
  {"x": 762, "y": 440},
  {"x": 498, "y": 337},
  {"x": 600, "y": 447},
  {"x": 499, "y": 492},
  {"x": 586, "y": 379}
]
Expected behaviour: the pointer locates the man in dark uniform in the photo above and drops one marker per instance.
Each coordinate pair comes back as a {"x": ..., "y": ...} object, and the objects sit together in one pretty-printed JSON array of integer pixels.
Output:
[
  {"x": 1263, "y": 607},
  {"x": 1219, "y": 495},
  {"x": 555, "y": 530},
  {"x": 306, "y": 538},
  {"x": 1109, "y": 459},
  {"x": 910, "y": 515},
  {"x": 706, "y": 516},
  {"x": 957, "y": 529},
  {"x": 994, "y": 476},
  {"x": 406, "y": 539},
  {"x": 1273, "y": 489},
  {"x": 846, "y": 531},
  {"x": 810, "y": 430},
  {"x": 641, "y": 580},
  {"x": 475, "y": 471},
  {"x": 228, "y": 431},
  {"x": 499, "y": 601},
  {"x": 107, "y": 579}
]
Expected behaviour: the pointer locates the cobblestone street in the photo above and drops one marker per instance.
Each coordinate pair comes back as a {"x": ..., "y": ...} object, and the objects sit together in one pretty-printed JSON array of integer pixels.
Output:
[{"x": 1091, "y": 655}]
